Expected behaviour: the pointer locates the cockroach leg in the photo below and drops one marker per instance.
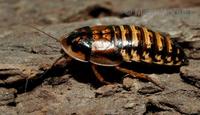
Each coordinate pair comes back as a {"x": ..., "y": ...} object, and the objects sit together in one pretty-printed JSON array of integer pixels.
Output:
[
  {"x": 62, "y": 61},
  {"x": 45, "y": 73},
  {"x": 98, "y": 75},
  {"x": 138, "y": 75}
]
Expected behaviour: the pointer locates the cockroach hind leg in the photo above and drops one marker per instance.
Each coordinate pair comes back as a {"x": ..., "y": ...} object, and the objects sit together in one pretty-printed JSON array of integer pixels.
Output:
[
  {"x": 99, "y": 76},
  {"x": 138, "y": 75}
]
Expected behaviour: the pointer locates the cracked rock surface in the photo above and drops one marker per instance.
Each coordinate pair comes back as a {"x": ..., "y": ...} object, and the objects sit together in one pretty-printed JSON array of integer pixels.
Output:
[{"x": 26, "y": 53}]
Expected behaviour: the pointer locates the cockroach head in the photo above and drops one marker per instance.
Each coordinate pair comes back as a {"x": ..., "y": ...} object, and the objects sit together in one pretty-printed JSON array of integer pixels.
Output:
[{"x": 75, "y": 46}]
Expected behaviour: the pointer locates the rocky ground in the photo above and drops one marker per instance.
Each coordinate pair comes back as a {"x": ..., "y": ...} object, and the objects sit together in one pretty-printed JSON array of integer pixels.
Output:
[{"x": 26, "y": 53}]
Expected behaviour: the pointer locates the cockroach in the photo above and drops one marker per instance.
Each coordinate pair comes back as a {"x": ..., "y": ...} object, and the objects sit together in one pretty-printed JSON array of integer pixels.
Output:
[{"x": 113, "y": 45}]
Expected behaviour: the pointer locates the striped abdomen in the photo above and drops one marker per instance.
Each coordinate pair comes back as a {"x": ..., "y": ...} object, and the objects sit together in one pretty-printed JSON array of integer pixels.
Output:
[
  {"x": 106, "y": 44},
  {"x": 140, "y": 44}
]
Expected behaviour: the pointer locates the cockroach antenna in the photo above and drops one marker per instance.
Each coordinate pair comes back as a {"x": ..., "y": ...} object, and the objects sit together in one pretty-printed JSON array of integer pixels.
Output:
[
  {"x": 52, "y": 37},
  {"x": 43, "y": 32}
]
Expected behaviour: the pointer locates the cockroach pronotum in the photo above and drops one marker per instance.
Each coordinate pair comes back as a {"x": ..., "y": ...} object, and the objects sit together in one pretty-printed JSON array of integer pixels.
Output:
[{"x": 113, "y": 45}]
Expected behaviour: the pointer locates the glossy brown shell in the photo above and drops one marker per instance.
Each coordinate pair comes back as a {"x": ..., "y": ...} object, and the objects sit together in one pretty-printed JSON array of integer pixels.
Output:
[{"x": 114, "y": 44}]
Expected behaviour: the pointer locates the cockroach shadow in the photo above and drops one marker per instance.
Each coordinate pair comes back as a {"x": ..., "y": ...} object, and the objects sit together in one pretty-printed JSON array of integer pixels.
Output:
[
  {"x": 151, "y": 68},
  {"x": 83, "y": 73}
]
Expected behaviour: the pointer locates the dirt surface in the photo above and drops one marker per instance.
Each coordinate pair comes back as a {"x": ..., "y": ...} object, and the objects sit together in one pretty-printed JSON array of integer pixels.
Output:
[{"x": 26, "y": 53}]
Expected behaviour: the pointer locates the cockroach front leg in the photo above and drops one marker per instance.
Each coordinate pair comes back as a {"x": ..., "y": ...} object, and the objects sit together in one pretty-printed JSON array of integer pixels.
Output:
[
  {"x": 138, "y": 75},
  {"x": 98, "y": 75},
  {"x": 61, "y": 62}
]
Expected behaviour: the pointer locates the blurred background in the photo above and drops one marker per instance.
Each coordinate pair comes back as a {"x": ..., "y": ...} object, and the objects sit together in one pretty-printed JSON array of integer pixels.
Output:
[
  {"x": 46, "y": 12},
  {"x": 26, "y": 53}
]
